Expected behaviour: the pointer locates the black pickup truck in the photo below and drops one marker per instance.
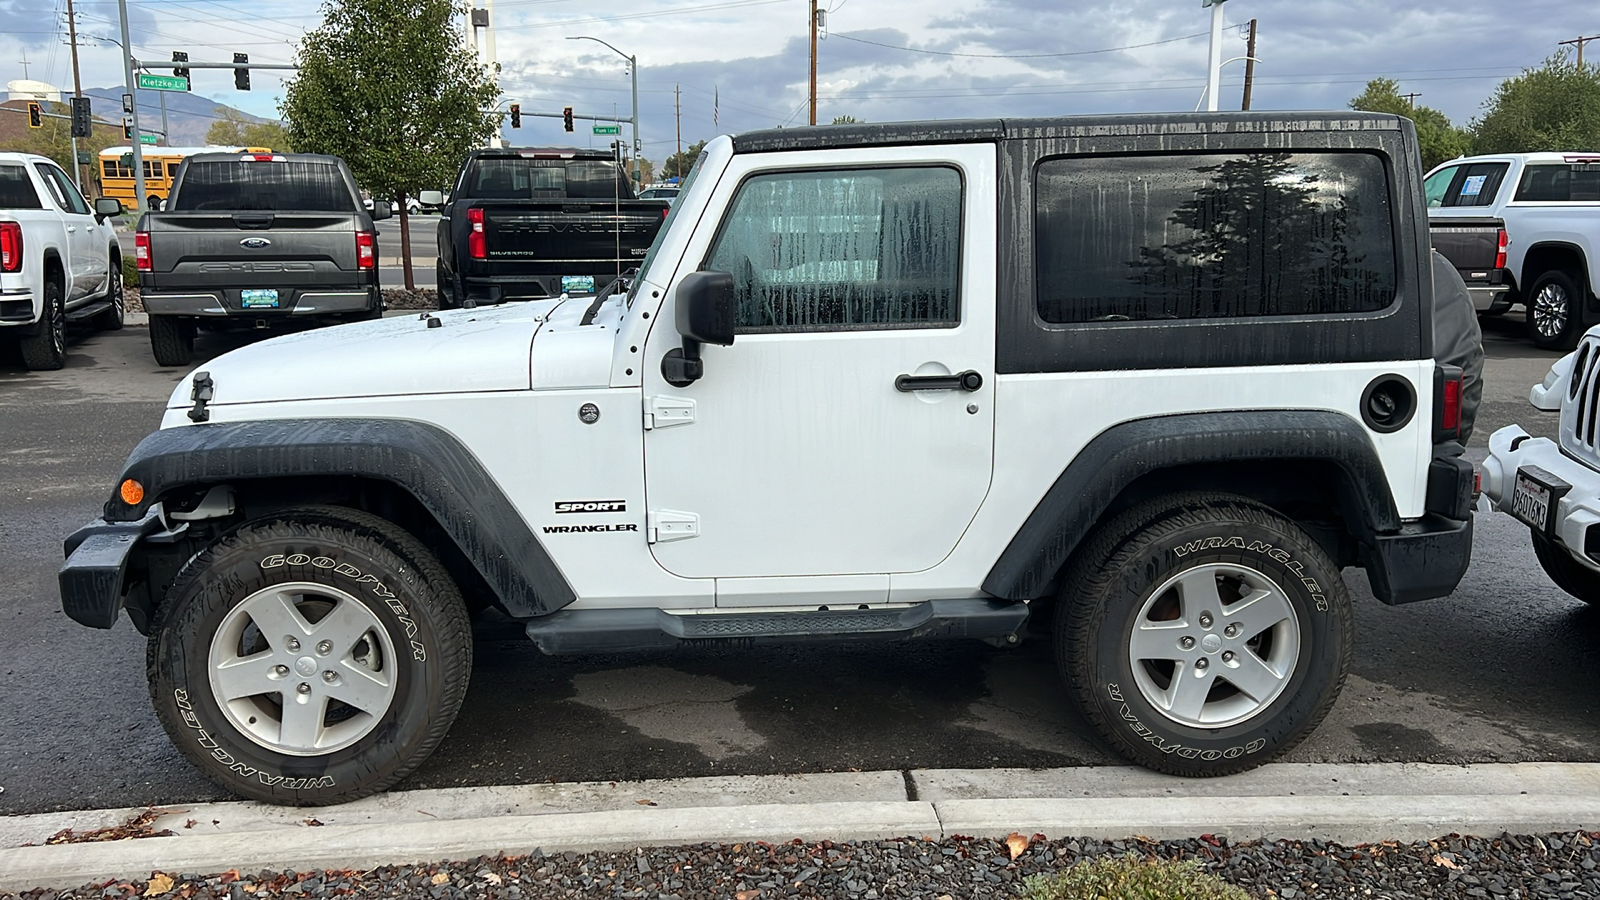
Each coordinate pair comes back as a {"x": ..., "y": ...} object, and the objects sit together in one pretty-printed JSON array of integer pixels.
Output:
[
  {"x": 527, "y": 223},
  {"x": 256, "y": 241}
]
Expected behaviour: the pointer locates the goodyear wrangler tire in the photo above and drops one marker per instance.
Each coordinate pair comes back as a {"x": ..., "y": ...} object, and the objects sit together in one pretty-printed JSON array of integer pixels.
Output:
[
  {"x": 314, "y": 657},
  {"x": 1204, "y": 634}
]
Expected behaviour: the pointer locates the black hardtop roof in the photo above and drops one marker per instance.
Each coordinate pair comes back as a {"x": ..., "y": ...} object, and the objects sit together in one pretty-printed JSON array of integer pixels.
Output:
[
  {"x": 519, "y": 152},
  {"x": 957, "y": 131},
  {"x": 287, "y": 157}
]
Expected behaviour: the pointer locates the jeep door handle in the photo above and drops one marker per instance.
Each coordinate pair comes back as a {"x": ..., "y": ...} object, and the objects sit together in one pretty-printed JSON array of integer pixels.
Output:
[{"x": 961, "y": 381}]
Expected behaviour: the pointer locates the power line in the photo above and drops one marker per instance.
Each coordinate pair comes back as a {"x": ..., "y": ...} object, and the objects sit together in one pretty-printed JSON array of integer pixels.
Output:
[
  {"x": 1186, "y": 37},
  {"x": 644, "y": 15}
]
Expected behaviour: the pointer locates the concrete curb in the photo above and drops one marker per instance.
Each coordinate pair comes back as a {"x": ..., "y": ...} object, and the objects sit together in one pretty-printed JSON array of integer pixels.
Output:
[{"x": 1344, "y": 803}]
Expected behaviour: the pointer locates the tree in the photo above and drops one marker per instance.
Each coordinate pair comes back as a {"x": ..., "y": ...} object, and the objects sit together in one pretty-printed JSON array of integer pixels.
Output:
[
  {"x": 232, "y": 129},
  {"x": 647, "y": 171},
  {"x": 845, "y": 120},
  {"x": 1436, "y": 137},
  {"x": 391, "y": 87},
  {"x": 679, "y": 164},
  {"x": 1553, "y": 107}
]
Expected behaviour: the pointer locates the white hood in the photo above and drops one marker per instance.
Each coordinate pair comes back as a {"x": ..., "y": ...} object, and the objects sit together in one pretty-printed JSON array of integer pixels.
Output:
[{"x": 483, "y": 349}]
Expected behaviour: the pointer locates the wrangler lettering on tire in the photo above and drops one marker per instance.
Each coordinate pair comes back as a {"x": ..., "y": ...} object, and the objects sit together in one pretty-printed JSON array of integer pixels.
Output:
[
  {"x": 315, "y": 656},
  {"x": 1203, "y": 634}
]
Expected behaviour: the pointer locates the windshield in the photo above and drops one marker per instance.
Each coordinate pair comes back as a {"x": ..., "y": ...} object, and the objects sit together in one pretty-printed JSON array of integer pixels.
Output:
[
  {"x": 672, "y": 215},
  {"x": 231, "y": 185},
  {"x": 502, "y": 178}
]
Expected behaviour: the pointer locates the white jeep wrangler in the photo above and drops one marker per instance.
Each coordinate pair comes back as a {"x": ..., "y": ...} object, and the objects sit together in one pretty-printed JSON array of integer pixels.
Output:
[{"x": 871, "y": 382}]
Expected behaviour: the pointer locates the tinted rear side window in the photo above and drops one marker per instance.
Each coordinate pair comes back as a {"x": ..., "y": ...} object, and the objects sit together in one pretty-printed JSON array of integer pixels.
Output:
[
  {"x": 16, "y": 191},
  {"x": 1205, "y": 236},
  {"x": 1560, "y": 183},
  {"x": 301, "y": 186},
  {"x": 550, "y": 179}
]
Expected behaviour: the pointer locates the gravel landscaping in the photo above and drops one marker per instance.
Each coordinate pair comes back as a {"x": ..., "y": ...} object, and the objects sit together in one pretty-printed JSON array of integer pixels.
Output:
[{"x": 1542, "y": 866}]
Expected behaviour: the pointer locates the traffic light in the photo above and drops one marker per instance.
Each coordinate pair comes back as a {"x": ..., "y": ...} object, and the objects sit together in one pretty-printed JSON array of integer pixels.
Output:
[
  {"x": 127, "y": 127},
  {"x": 241, "y": 75},
  {"x": 180, "y": 56},
  {"x": 35, "y": 114},
  {"x": 516, "y": 115},
  {"x": 566, "y": 117},
  {"x": 82, "y": 117}
]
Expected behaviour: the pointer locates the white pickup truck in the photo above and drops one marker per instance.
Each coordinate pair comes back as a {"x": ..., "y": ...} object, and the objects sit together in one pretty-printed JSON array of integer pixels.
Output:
[
  {"x": 1537, "y": 216},
  {"x": 59, "y": 259}
]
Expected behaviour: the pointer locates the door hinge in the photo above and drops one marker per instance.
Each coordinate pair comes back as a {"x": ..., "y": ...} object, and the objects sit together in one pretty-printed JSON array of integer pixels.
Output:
[
  {"x": 662, "y": 525},
  {"x": 664, "y": 412}
]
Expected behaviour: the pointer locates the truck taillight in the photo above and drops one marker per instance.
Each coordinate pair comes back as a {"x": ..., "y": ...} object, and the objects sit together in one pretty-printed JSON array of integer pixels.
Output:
[
  {"x": 1447, "y": 403},
  {"x": 10, "y": 247},
  {"x": 664, "y": 213},
  {"x": 141, "y": 251},
  {"x": 366, "y": 256},
  {"x": 477, "y": 244},
  {"x": 1500, "y": 255}
]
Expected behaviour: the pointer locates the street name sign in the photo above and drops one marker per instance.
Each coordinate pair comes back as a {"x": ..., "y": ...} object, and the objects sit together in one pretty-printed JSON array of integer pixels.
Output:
[
  {"x": 608, "y": 129},
  {"x": 162, "y": 82}
]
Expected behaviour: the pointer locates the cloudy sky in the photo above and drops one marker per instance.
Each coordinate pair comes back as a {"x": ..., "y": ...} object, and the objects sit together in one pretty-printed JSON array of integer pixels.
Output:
[{"x": 880, "y": 60}]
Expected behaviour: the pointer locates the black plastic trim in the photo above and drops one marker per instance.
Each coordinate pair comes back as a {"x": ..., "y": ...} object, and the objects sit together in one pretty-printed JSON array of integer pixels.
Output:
[
  {"x": 93, "y": 576},
  {"x": 425, "y": 461},
  {"x": 1424, "y": 560},
  {"x": 1450, "y": 482},
  {"x": 1123, "y": 453}
]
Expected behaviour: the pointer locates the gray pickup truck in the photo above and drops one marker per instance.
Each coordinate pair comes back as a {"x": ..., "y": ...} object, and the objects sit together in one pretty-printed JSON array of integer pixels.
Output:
[{"x": 256, "y": 241}]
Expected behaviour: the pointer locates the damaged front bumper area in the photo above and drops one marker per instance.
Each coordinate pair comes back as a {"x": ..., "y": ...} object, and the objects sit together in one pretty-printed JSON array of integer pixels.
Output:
[{"x": 94, "y": 578}]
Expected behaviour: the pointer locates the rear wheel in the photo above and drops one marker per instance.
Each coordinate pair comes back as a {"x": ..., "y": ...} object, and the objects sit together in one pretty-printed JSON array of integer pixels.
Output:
[
  {"x": 443, "y": 287},
  {"x": 315, "y": 657},
  {"x": 1568, "y": 574},
  {"x": 47, "y": 348},
  {"x": 1555, "y": 311},
  {"x": 171, "y": 340},
  {"x": 1204, "y": 634}
]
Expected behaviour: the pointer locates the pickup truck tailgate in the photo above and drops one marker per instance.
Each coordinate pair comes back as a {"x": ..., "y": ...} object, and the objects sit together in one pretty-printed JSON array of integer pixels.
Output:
[
  {"x": 564, "y": 232},
  {"x": 1471, "y": 244}
]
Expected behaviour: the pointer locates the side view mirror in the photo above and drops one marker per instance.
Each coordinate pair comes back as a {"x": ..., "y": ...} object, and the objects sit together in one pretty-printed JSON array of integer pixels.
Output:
[
  {"x": 705, "y": 315},
  {"x": 430, "y": 198},
  {"x": 381, "y": 210},
  {"x": 106, "y": 207}
]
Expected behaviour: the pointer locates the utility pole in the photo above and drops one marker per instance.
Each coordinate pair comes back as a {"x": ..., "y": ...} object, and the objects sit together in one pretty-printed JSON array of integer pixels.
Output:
[
  {"x": 127, "y": 71},
  {"x": 813, "y": 62},
  {"x": 1411, "y": 99},
  {"x": 1580, "y": 41},
  {"x": 165, "y": 134},
  {"x": 77, "y": 90},
  {"x": 677, "y": 113},
  {"x": 1249, "y": 65}
]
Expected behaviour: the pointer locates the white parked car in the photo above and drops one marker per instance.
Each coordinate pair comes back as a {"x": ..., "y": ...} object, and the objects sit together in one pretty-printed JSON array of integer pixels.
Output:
[
  {"x": 1553, "y": 487},
  {"x": 850, "y": 395},
  {"x": 59, "y": 259},
  {"x": 1548, "y": 211}
]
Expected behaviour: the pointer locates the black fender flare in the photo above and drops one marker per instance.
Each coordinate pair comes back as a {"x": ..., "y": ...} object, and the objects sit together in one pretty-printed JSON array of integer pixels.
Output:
[
  {"x": 1126, "y": 452},
  {"x": 423, "y": 460}
]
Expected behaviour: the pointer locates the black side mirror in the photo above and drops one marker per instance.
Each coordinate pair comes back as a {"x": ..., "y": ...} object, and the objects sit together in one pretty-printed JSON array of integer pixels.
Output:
[
  {"x": 381, "y": 210},
  {"x": 705, "y": 315},
  {"x": 106, "y": 207}
]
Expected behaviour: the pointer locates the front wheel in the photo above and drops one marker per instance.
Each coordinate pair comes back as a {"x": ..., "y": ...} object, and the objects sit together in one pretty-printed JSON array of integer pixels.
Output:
[
  {"x": 316, "y": 657},
  {"x": 112, "y": 318},
  {"x": 1204, "y": 634},
  {"x": 1555, "y": 311}
]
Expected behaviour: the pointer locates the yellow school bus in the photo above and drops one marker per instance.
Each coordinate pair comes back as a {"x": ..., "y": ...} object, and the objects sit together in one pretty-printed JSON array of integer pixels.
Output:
[{"x": 160, "y": 167}]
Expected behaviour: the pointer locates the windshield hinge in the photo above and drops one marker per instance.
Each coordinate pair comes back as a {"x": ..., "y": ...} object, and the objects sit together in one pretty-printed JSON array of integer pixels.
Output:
[
  {"x": 201, "y": 392},
  {"x": 664, "y": 412},
  {"x": 662, "y": 525}
]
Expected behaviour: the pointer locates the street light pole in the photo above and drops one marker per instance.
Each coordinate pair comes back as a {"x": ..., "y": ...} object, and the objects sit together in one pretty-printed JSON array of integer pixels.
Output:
[
  {"x": 127, "y": 71},
  {"x": 1214, "y": 65},
  {"x": 633, "y": 67}
]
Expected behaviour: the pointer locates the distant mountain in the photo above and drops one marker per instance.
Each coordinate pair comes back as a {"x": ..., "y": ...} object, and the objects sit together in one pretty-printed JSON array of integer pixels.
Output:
[{"x": 188, "y": 115}]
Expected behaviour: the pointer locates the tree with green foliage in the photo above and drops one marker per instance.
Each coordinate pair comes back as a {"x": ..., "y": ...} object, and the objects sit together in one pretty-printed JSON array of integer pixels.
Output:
[
  {"x": 1553, "y": 107},
  {"x": 679, "y": 164},
  {"x": 392, "y": 87},
  {"x": 232, "y": 129},
  {"x": 1436, "y": 137},
  {"x": 845, "y": 120}
]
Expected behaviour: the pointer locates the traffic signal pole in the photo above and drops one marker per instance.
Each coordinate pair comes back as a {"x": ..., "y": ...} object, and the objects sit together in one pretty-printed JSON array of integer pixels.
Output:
[
  {"x": 127, "y": 71},
  {"x": 77, "y": 91}
]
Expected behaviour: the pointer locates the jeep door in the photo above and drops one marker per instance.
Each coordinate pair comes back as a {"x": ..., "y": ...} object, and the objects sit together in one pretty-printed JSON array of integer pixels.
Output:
[{"x": 848, "y": 430}]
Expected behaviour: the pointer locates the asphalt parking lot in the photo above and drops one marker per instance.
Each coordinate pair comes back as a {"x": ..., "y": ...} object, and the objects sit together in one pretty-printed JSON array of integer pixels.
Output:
[{"x": 1502, "y": 671}]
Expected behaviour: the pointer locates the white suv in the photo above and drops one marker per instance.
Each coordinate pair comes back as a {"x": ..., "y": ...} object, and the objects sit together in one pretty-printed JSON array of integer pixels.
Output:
[
  {"x": 59, "y": 259},
  {"x": 879, "y": 382}
]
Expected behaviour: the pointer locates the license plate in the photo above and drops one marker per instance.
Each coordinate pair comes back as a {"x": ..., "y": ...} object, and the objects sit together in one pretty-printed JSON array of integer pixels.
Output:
[
  {"x": 1534, "y": 498},
  {"x": 259, "y": 297},
  {"x": 577, "y": 284}
]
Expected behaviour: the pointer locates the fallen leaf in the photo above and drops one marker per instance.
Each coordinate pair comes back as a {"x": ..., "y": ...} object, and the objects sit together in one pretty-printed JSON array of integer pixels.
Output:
[
  {"x": 645, "y": 802},
  {"x": 159, "y": 884},
  {"x": 428, "y": 814},
  {"x": 1445, "y": 861},
  {"x": 751, "y": 894},
  {"x": 492, "y": 878},
  {"x": 190, "y": 823},
  {"x": 141, "y": 825},
  {"x": 1017, "y": 844},
  {"x": 229, "y": 876},
  {"x": 441, "y": 878},
  {"x": 313, "y": 823}
]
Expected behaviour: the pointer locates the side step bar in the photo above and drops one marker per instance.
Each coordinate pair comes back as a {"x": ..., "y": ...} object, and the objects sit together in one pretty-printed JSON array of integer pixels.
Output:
[{"x": 574, "y": 631}]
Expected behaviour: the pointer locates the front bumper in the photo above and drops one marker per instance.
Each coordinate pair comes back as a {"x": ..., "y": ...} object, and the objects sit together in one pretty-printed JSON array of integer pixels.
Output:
[
  {"x": 1577, "y": 514},
  {"x": 17, "y": 308},
  {"x": 94, "y": 577}
]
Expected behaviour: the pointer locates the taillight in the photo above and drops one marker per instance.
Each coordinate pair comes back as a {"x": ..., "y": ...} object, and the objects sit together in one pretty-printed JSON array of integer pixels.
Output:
[
  {"x": 141, "y": 251},
  {"x": 477, "y": 244},
  {"x": 664, "y": 212},
  {"x": 366, "y": 258},
  {"x": 10, "y": 247},
  {"x": 1500, "y": 255},
  {"x": 1447, "y": 403}
]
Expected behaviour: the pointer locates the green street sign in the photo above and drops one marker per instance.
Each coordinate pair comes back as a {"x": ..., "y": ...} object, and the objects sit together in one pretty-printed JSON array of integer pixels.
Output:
[
  {"x": 162, "y": 82},
  {"x": 148, "y": 138},
  {"x": 608, "y": 129}
]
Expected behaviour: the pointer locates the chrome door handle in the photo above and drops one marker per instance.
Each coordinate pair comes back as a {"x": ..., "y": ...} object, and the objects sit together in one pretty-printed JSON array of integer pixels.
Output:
[
  {"x": 72, "y": 229},
  {"x": 961, "y": 381}
]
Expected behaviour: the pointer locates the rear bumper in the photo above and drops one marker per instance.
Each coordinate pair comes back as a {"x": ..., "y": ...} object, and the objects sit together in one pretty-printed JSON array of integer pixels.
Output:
[
  {"x": 1486, "y": 297},
  {"x": 1423, "y": 560},
  {"x": 95, "y": 574},
  {"x": 495, "y": 288},
  {"x": 212, "y": 304}
]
